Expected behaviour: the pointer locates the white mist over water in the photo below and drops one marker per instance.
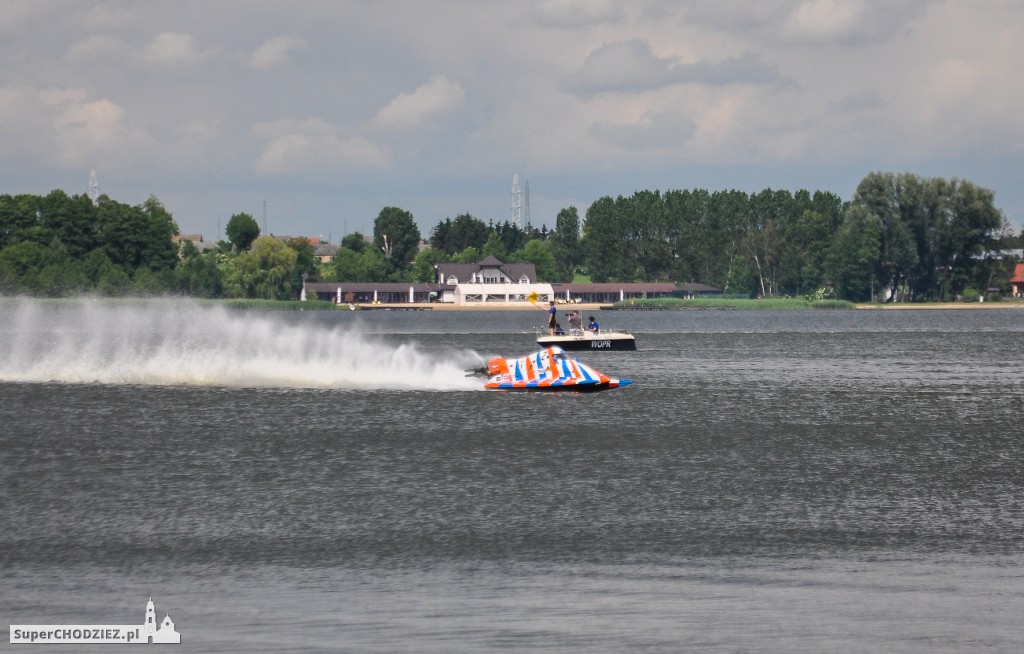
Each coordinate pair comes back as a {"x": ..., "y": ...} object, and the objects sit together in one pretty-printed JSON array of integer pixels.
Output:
[{"x": 180, "y": 342}]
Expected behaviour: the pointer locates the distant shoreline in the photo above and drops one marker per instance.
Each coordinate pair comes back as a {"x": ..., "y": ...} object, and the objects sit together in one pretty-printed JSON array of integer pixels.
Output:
[
  {"x": 945, "y": 305},
  {"x": 489, "y": 306},
  {"x": 583, "y": 308}
]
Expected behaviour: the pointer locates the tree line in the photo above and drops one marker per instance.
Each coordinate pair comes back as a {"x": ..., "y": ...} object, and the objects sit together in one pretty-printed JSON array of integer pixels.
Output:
[{"x": 900, "y": 238}]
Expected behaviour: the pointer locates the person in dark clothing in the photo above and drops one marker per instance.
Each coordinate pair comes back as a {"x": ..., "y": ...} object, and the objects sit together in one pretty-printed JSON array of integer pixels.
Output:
[{"x": 575, "y": 321}]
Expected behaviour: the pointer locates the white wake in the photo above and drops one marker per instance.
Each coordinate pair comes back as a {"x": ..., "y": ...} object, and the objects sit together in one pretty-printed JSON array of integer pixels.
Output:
[{"x": 180, "y": 342}]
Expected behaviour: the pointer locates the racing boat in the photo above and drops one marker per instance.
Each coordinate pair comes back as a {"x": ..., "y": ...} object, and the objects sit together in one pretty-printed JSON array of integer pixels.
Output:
[
  {"x": 580, "y": 339},
  {"x": 550, "y": 369}
]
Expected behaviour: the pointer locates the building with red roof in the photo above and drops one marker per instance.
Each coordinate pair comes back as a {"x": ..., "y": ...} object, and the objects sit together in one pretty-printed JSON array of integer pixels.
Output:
[{"x": 1017, "y": 281}]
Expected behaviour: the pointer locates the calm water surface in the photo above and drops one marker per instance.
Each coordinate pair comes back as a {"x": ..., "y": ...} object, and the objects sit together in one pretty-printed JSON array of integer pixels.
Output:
[{"x": 771, "y": 482}]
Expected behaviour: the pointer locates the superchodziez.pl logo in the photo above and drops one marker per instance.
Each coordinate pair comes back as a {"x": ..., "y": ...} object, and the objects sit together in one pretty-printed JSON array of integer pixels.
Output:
[{"x": 113, "y": 634}]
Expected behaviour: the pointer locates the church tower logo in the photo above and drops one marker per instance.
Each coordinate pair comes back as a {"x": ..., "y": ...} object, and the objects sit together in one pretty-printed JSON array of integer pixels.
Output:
[
  {"x": 165, "y": 633},
  {"x": 114, "y": 634}
]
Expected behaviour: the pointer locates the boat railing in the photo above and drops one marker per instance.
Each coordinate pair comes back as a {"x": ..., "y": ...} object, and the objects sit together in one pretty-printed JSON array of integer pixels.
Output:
[{"x": 581, "y": 333}]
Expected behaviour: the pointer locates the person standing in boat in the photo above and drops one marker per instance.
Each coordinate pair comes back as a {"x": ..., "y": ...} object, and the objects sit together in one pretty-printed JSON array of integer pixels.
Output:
[
  {"x": 552, "y": 317},
  {"x": 592, "y": 325},
  {"x": 575, "y": 321}
]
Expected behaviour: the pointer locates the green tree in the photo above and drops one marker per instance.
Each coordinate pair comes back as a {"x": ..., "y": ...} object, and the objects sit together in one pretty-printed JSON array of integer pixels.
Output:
[
  {"x": 60, "y": 279},
  {"x": 469, "y": 255},
  {"x": 70, "y": 222},
  {"x": 354, "y": 241},
  {"x": 513, "y": 237},
  {"x": 968, "y": 226},
  {"x": 686, "y": 218},
  {"x": 137, "y": 237},
  {"x": 851, "y": 263},
  {"x": 305, "y": 262},
  {"x": 725, "y": 227},
  {"x": 103, "y": 275},
  {"x": 565, "y": 244},
  {"x": 21, "y": 264},
  {"x": 494, "y": 248},
  {"x": 537, "y": 253},
  {"x": 769, "y": 214},
  {"x": 396, "y": 235},
  {"x": 366, "y": 266},
  {"x": 242, "y": 231},
  {"x": 605, "y": 242},
  {"x": 158, "y": 251},
  {"x": 934, "y": 233},
  {"x": 806, "y": 241},
  {"x": 346, "y": 266},
  {"x": 894, "y": 201},
  {"x": 265, "y": 271},
  {"x": 18, "y": 216},
  {"x": 648, "y": 225},
  {"x": 145, "y": 282},
  {"x": 423, "y": 271},
  {"x": 452, "y": 236},
  {"x": 198, "y": 274}
]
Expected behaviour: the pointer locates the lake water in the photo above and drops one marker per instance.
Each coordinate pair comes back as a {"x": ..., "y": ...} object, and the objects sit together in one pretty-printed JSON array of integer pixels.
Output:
[{"x": 771, "y": 482}]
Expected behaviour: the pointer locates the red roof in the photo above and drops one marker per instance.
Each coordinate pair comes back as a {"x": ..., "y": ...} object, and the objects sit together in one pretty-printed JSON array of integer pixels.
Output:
[{"x": 1018, "y": 274}]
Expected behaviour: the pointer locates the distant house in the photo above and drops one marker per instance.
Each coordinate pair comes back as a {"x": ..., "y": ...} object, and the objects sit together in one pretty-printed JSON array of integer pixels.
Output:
[
  {"x": 324, "y": 252},
  {"x": 194, "y": 239},
  {"x": 1017, "y": 281},
  {"x": 489, "y": 281},
  {"x": 489, "y": 271}
]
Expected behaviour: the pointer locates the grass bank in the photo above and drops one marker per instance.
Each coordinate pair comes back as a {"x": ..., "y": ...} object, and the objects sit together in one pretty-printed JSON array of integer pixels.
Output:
[
  {"x": 766, "y": 304},
  {"x": 278, "y": 305}
]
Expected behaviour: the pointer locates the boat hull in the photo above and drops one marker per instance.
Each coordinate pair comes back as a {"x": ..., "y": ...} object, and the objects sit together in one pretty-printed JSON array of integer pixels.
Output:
[
  {"x": 564, "y": 388},
  {"x": 608, "y": 342}
]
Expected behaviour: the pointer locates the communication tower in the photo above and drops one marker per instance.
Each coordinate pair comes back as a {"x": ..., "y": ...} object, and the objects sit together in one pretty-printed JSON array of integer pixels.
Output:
[
  {"x": 94, "y": 187},
  {"x": 517, "y": 202}
]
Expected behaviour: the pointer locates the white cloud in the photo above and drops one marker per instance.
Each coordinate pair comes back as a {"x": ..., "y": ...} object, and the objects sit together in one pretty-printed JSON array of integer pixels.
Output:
[
  {"x": 174, "y": 49},
  {"x": 297, "y": 146},
  {"x": 578, "y": 13},
  {"x": 409, "y": 111},
  {"x": 825, "y": 19},
  {"x": 654, "y": 132},
  {"x": 106, "y": 16},
  {"x": 62, "y": 126},
  {"x": 276, "y": 51},
  {"x": 630, "y": 67},
  {"x": 100, "y": 46}
]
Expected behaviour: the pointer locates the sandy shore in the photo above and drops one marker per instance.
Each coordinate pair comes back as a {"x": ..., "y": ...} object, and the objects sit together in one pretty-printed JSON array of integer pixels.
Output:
[{"x": 490, "y": 306}]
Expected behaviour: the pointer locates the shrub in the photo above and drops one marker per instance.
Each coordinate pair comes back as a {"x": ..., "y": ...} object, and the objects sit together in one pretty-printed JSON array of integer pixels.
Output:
[{"x": 832, "y": 304}]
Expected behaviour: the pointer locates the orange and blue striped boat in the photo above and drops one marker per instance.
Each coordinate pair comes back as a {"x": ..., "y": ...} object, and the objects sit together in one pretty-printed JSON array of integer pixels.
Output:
[{"x": 549, "y": 369}]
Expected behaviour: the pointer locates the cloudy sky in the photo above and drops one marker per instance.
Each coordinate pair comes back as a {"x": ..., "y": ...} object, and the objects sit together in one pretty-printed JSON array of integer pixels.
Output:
[{"x": 317, "y": 114}]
